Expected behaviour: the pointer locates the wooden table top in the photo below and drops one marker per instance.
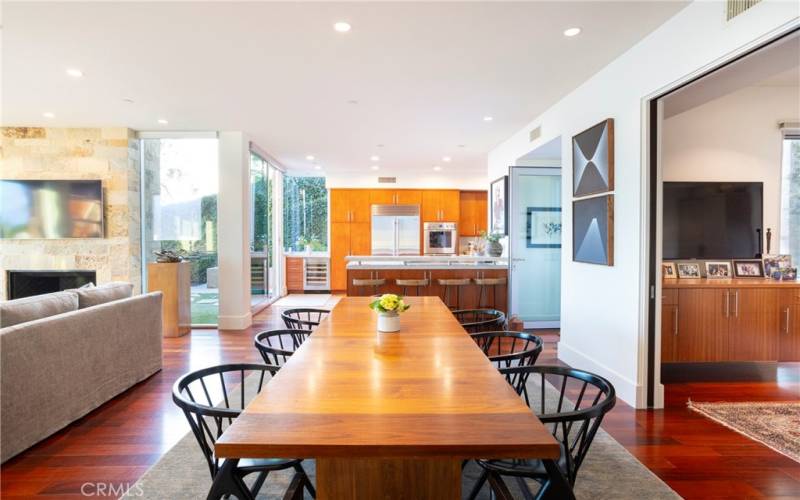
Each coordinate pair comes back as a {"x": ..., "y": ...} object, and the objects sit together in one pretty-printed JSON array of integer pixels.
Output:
[{"x": 426, "y": 391}]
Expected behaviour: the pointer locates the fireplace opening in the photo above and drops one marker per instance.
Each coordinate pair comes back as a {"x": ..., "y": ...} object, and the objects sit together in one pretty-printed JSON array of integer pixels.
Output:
[{"x": 29, "y": 283}]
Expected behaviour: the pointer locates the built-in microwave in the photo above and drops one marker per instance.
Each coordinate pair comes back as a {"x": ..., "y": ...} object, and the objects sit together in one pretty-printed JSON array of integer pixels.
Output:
[{"x": 440, "y": 238}]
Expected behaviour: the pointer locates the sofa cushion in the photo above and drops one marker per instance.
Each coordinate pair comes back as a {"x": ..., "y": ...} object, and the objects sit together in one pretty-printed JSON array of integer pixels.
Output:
[
  {"x": 116, "y": 290},
  {"x": 14, "y": 312}
]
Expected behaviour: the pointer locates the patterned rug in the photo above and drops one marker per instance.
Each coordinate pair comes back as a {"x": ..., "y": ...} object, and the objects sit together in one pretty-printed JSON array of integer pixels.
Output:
[{"x": 773, "y": 424}]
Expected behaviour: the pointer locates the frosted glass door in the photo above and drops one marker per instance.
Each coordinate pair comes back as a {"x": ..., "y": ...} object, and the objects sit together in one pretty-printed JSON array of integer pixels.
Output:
[{"x": 535, "y": 245}]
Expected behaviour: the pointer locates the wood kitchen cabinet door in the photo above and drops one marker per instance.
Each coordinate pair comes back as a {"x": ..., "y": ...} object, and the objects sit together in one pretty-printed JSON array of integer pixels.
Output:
[
  {"x": 339, "y": 205},
  {"x": 340, "y": 248},
  {"x": 702, "y": 325},
  {"x": 431, "y": 205},
  {"x": 360, "y": 210},
  {"x": 360, "y": 240},
  {"x": 450, "y": 205},
  {"x": 481, "y": 211},
  {"x": 669, "y": 325},
  {"x": 789, "y": 341},
  {"x": 754, "y": 324},
  {"x": 408, "y": 197},
  {"x": 467, "y": 225},
  {"x": 381, "y": 196}
]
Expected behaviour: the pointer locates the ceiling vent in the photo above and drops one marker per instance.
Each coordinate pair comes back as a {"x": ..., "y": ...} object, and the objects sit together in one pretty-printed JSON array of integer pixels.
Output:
[
  {"x": 535, "y": 134},
  {"x": 387, "y": 180},
  {"x": 735, "y": 7}
]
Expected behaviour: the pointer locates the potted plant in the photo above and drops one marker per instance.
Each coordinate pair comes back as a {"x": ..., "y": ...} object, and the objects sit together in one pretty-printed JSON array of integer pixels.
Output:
[
  {"x": 389, "y": 306},
  {"x": 494, "y": 248}
]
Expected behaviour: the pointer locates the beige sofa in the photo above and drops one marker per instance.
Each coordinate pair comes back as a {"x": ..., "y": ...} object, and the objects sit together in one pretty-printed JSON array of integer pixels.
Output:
[{"x": 64, "y": 354}]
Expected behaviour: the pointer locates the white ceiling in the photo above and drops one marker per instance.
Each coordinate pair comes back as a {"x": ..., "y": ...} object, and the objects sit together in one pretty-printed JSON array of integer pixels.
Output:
[{"x": 424, "y": 74}]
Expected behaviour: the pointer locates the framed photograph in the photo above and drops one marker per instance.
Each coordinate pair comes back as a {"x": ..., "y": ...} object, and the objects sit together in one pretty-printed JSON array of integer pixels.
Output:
[
  {"x": 498, "y": 206},
  {"x": 669, "y": 271},
  {"x": 718, "y": 270},
  {"x": 593, "y": 160},
  {"x": 751, "y": 268},
  {"x": 543, "y": 227},
  {"x": 776, "y": 262},
  {"x": 689, "y": 270},
  {"x": 593, "y": 230}
]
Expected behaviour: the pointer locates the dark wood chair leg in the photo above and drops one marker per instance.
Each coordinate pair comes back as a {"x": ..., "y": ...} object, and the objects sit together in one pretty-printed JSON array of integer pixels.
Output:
[
  {"x": 556, "y": 487},
  {"x": 295, "y": 489},
  {"x": 476, "y": 488},
  {"x": 259, "y": 482},
  {"x": 306, "y": 480},
  {"x": 226, "y": 482},
  {"x": 499, "y": 487}
]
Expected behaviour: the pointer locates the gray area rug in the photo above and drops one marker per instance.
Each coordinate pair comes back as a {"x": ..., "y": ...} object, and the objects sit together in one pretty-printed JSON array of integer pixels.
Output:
[{"x": 609, "y": 472}]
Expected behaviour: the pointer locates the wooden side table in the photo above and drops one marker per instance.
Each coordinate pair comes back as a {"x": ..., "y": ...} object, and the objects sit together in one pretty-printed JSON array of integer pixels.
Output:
[{"x": 173, "y": 279}]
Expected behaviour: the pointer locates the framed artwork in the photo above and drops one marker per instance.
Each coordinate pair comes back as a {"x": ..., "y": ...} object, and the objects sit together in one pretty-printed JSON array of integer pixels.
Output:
[
  {"x": 593, "y": 230},
  {"x": 543, "y": 227},
  {"x": 498, "y": 206},
  {"x": 776, "y": 262},
  {"x": 669, "y": 271},
  {"x": 750, "y": 268},
  {"x": 593, "y": 160},
  {"x": 689, "y": 270},
  {"x": 718, "y": 270}
]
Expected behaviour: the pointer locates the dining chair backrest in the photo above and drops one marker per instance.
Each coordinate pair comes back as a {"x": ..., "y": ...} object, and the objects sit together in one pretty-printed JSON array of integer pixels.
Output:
[
  {"x": 575, "y": 414},
  {"x": 276, "y": 346},
  {"x": 304, "y": 318},
  {"x": 481, "y": 320},
  {"x": 211, "y": 398},
  {"x": 507, "y": 349}
]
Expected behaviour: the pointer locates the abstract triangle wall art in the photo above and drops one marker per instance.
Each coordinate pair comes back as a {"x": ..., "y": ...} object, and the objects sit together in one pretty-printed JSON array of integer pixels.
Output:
[
  {"x": 593, "y": 230},
  {"x": 593, "y": 159}
]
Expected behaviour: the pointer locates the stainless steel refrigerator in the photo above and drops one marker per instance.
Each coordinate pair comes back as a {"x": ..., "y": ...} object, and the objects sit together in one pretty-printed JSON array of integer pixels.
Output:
[{"x": 395, "y": 230}]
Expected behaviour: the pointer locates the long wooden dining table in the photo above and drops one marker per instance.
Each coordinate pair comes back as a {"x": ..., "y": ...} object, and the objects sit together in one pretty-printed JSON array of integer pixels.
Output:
[{"x": 389, "y": 415}]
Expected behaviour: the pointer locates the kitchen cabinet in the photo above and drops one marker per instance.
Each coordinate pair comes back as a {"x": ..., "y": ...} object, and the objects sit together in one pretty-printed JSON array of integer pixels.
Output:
[
  {"x": 294, "y": 274},
  {"x": 347, "y": 238},
  {"x": 395, "y": 197},
  {"x": 702, "y": 331},
  {"x": 753, "y": 321},
  {"x": 789, "y": 336},
  {"x": 669, "y": 324},
  {"x": 440, "y": 205},
  {"x": 473, "y": 213},
  {"x": 349, "y": 205}
]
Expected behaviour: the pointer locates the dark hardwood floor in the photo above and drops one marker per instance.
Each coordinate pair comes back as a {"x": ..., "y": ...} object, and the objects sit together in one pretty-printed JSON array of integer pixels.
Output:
[{"x": 114, "y": 445}]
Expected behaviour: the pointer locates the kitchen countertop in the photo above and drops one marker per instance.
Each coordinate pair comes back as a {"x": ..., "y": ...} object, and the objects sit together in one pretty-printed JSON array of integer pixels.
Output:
[
  {"x": 305, "y": 255},
  {"x": 424, "y": 262}
]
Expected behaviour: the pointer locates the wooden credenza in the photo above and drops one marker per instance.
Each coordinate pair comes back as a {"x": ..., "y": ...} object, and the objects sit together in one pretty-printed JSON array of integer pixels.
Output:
[
  {"x": 173, "y": 280},
  {"x": 731, "y": 323}
]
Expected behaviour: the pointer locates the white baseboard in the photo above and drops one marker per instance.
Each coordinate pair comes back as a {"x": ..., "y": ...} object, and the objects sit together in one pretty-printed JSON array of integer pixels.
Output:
[
  {"x": 235, "y": 322},
  {"x": 627, "y": 390}
]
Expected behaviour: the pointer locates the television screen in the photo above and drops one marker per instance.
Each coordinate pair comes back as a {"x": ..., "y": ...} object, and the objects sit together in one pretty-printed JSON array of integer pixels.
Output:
[
  {"x": 712, "y": 220},
  {"x": 51, "y": 209}
]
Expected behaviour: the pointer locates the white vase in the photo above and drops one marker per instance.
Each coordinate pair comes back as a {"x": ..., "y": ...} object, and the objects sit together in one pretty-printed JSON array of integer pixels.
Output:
[{"x": 388, "y": 322}]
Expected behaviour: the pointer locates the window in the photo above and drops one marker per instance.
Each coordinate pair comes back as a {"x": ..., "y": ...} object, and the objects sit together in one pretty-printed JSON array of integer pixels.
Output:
[
  {"x": 790, "y": 197},
  {"x": 179, "y": 213},
  {"x": 262, "y": 261},
  {"x": 305, "y": 214}
]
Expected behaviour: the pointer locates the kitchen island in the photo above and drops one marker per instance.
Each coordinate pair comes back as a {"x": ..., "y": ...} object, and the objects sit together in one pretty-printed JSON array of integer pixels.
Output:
[{"x": 432, "y": 269}]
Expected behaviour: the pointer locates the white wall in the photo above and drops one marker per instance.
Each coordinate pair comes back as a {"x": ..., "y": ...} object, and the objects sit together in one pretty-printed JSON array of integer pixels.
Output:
[
  {"x": 734, "y": 138},
  {"x": 449, "y": 178},
  {"x": 603, "y": 309},
  {"x": 233, "y": 238}
]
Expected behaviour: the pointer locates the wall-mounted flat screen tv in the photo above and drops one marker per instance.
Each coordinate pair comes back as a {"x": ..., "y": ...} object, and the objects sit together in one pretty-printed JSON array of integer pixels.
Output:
[
  {"x": 712, "y": 220},
  {"x": 51, "y": 209}
]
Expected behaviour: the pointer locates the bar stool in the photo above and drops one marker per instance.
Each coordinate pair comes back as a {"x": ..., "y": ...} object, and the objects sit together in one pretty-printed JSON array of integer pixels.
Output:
[
  {"x": 417, "y": 283},
  {"x": 489, "y": 282},
  {"x": 375, "y": 283},
  {"x": 449, "y": 283}
]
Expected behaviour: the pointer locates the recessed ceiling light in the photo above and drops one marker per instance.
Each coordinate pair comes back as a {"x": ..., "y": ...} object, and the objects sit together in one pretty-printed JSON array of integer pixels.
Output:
[
  {"x": 437, "y": 167},
  {"x": 310, "y": 157},
  {"x": 446, "y": 158},
  {"x": 342, "y": 27},
  {"x": 462, "y": 145},
  {"x": 487, "y": 118},
  {"x": 374, "y": 167},
  {"x": 352, "y": 101},
  {"x": 74, "y": 72},
  {"x": 380, "y": 145},
  {"x": 128, "y": 100},
  {"x": 48, "y": 114},
  {"x": 572, "y": 31},
  {"x": 374, "y": 158},
  {"x": 162, "y": 121},
  {"x": 317, "y": 167}
]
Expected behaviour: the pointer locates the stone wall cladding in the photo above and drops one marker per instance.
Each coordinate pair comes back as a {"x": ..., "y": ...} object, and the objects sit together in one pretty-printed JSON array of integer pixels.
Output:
[{"x": 108, "y": 154}]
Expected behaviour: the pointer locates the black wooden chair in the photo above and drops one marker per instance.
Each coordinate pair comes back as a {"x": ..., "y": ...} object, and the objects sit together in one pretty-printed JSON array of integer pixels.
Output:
[
  {"x": 573, "y": 424},
  {"x": 276, "y": 346},
  {"x": 303, "y": 318},
  {"x": 211, "y": 398},
  {"x": 481, "y": 320},
  {"x": 507, "y": 349}
]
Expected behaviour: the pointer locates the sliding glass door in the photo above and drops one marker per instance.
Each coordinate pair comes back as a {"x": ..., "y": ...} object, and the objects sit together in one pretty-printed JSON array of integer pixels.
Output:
[{"x": 179, "y": 213}]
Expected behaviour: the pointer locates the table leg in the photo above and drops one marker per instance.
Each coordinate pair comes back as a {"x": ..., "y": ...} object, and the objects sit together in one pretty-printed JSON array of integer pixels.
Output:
[
  {"x": 227, "y": 482},
  {"x": 400, "y": 478},
  {"x": 556, "y": 487}
]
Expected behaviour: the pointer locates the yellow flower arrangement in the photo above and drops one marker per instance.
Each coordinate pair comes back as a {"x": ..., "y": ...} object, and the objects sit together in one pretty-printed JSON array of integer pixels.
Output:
[{"x": 388, "y": 303}]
